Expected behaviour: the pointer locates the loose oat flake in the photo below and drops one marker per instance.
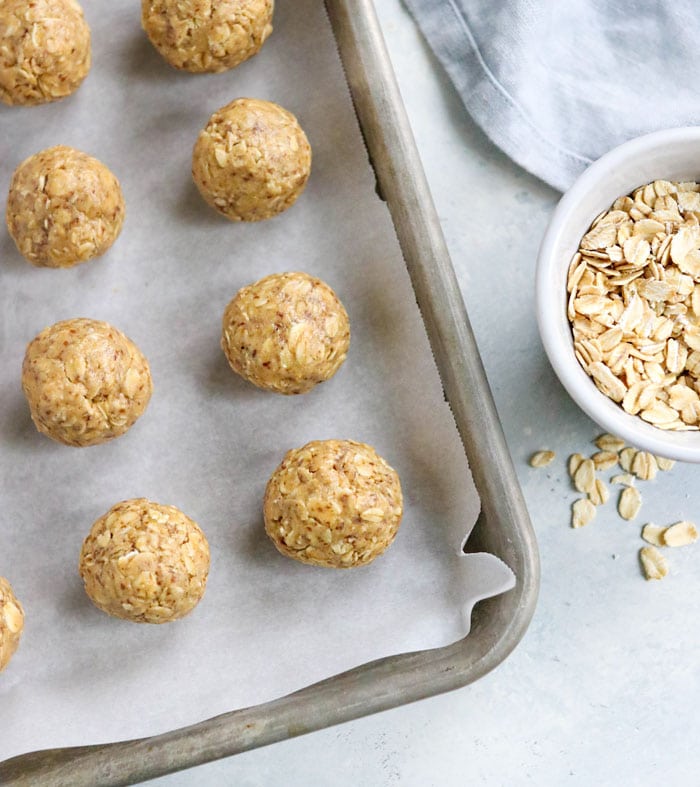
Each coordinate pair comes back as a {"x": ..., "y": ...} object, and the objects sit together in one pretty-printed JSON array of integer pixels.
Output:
[
  {"x": 634, "y": 306},
  {"x": 604, "y": 460},
  {"x": 599, "y": 494},
  {"x": 653, "y": 562},
  {"x": 574, "y": 464},
  {"x": 583, "y": 511},
  {"x": 542, "y": 458},
  {"x": 630, "y": 502},
  {"x": 644, "y": 466},
  {"x": 623, "y": 478},
  {"x": 608, "y": 442},
  {"x": 653, "y": 534},
  {"x": 626, "y": 458},
  {"x": 664, "y": 464},
  {"x": 584, "y": 479},
  {"x": 680, "y": 534}
]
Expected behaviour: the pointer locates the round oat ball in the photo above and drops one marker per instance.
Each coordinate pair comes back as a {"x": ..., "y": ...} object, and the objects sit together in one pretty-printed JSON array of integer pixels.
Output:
[
  {"x": 207, "y": 35},
  {"x": 64, "y": 208},
  {"x": 145, "y": 562},
  {"x": 85, "y": 382},
  {"x": 333, "y": 503},
  {"x": 252, "y": 160},
  {"x": 44, "y": 50},
  {"x": 11, "y": 623},
  {"x": 286, "y": 333}
]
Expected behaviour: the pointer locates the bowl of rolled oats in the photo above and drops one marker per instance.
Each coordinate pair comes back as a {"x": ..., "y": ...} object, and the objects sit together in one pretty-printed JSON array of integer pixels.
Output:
[{"x": 618, "y": 292}]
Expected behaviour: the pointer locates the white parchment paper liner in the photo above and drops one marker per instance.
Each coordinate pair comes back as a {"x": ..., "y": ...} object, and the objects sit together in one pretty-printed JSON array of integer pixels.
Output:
[{"x": 208, "y": 442}]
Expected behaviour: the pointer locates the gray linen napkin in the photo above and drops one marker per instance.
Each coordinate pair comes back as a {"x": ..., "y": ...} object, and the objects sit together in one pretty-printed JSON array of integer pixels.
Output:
[{"x": 557, "y": 83}]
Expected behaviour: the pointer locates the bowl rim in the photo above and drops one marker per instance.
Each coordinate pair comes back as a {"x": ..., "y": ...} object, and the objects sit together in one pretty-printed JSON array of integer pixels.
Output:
[{"x": 684, "y": 446}]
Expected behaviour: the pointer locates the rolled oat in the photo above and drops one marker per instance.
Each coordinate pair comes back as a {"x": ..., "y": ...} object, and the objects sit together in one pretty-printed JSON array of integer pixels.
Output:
[
  {"x": 541, "y": 458},
  {"x": 629, "y": 503},
  {"x": 582, "y": 512},
  {"x": 653, "y": 562},
  {"x": 680, "y": 534},
  {"x": 653, "y": 534},
  {"x": 11, "y": 623},
  {"x": 584, "y": 478}
]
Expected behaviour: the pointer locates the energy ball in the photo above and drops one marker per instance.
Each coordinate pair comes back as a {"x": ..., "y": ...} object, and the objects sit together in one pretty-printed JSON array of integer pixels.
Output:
[
  {"x": 64, "y": 208},
  {"x": 44, "y": 51},
  {"x": 85, "y": 382},
  {"x": 11, "y": 623},
  {"x": 286, "y": 333},
  {"x": 207, "y": 35},
  {"x": 252, "y": 160},
  {"x": 333, "y": 503},
  {"x": 145, "y": 562}
]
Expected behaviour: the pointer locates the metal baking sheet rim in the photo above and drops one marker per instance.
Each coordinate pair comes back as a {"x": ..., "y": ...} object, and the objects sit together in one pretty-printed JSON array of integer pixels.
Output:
[{"x": 503, "y": 527}]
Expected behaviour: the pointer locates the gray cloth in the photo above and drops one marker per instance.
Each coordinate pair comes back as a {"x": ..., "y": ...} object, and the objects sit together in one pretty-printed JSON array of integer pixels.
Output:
[{"x": 557, "y": 83}]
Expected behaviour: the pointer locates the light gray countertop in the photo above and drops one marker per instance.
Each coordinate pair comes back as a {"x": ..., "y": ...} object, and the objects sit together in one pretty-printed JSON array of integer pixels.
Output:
[{"x": 605, "y": 685}]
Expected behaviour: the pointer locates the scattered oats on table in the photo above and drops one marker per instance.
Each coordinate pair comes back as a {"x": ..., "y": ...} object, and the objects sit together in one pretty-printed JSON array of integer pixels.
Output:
[
  {"x": 333, "y": 503},
  {"x": 640, "y": 465},
  {"x": 286, "y": 333},
  {"x": 45, "y": 52},
  {"x": 145, "y": 562},
  {"x": 634, "y": 305},
  {"x": 209, "y": 36},
  {"x": 11, "y": 623},
  {"x": 85, "y": 382},
  {"x": 64, "y": 208},
  {"x": 252, "y": 160}
]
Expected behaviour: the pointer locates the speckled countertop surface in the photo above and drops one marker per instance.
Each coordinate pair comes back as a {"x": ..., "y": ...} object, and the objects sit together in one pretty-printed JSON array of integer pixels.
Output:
[{"x": 604, "y": 688}]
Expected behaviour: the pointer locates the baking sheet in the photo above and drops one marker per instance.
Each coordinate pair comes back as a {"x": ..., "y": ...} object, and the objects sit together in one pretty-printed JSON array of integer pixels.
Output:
[{"x": 208, "y": 441}]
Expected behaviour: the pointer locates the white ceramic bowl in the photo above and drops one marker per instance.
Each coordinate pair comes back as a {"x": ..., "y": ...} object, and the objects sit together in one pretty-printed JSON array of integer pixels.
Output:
[{"x": 674, "y": 155}]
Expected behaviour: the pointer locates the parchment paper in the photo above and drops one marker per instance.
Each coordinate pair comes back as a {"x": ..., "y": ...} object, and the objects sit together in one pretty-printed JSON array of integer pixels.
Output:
[{"x": 208, "y": 441}]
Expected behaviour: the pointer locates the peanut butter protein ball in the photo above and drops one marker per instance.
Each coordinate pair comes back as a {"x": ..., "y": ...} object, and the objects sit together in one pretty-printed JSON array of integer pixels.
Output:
[
  {"x": 333, "y": 503},
  {"x": 207, "y": 35},
  {"x": 85, "y": 382},
  {"x": 44, "y": 50},
  {"x": 64, "y": 208},
  {"x": 11, "y": 623},
  {"x": 145, "y": 562},
  {"x": 286, "y": 333},
  {"x": 252, "y": 160}
]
